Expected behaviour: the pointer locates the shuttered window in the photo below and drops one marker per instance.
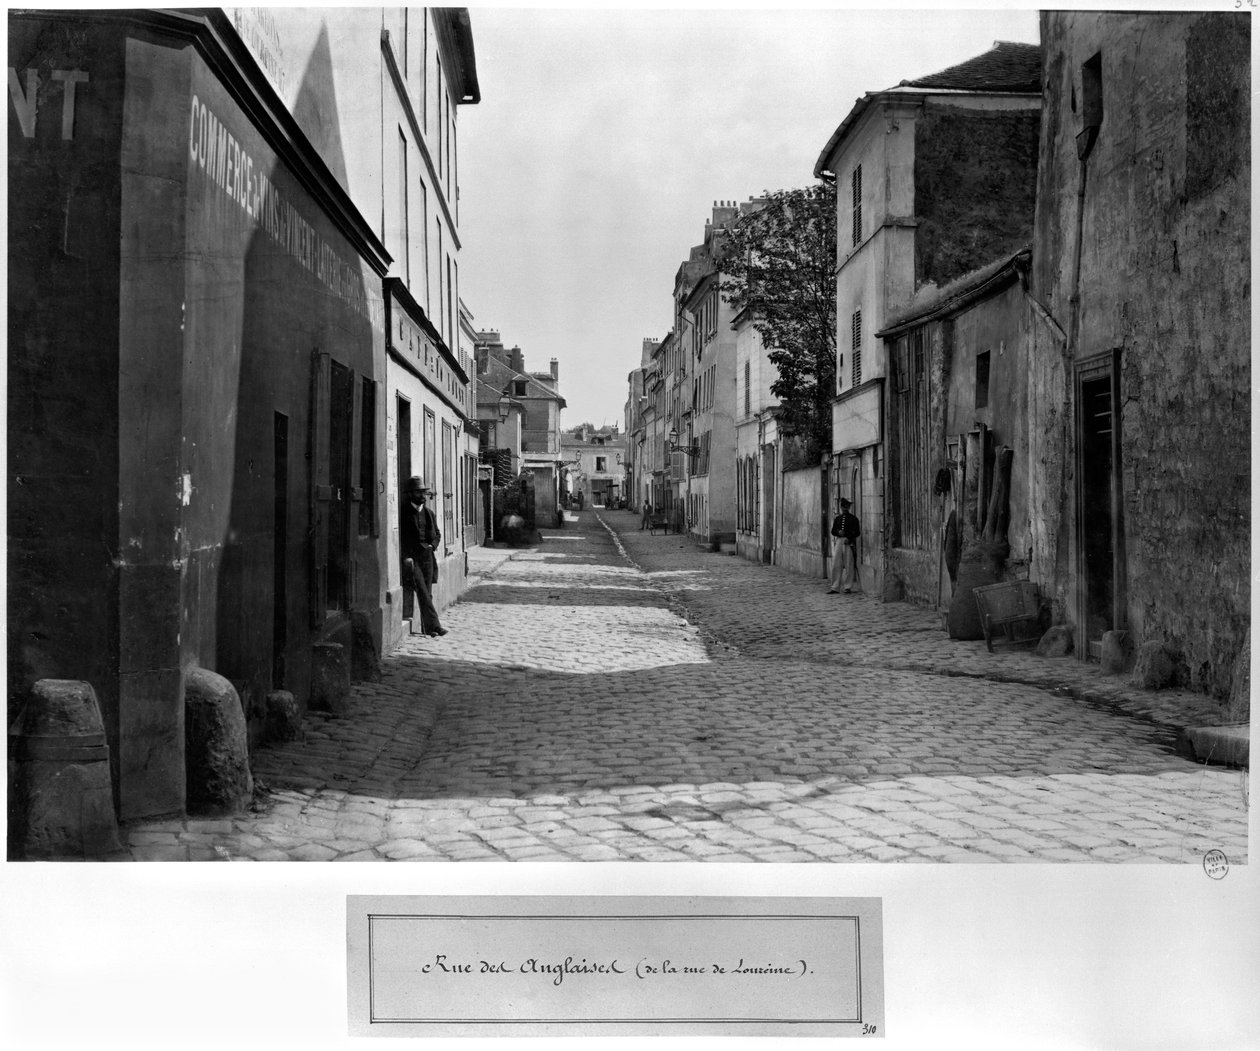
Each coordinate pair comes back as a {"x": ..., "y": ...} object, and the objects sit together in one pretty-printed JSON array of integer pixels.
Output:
[
  {"x": 857, "y": 205},
  {"x": 856, "y": 345}
]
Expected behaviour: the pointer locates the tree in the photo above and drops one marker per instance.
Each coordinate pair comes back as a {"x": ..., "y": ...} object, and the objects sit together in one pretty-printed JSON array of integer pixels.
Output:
[{"x": 779, "y": 264}]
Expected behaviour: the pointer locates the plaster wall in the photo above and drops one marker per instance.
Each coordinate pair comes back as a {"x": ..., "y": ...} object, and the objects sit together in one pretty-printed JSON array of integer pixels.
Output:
[
  {"x": 799, "y": 544},
  {"x": 1165, "y": 282}
]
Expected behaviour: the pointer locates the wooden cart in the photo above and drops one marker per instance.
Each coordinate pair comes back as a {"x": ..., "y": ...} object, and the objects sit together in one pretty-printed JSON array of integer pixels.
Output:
[{"x": 1010, "y": 613}]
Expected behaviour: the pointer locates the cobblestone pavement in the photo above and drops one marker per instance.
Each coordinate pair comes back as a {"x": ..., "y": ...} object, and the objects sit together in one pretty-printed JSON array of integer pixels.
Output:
[{"x": 612, "y": 695}]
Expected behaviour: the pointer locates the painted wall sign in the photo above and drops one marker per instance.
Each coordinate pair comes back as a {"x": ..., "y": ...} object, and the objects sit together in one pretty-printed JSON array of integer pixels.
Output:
[
  {"x": 222, "y": 160},
  {"x": 26, "y": 98}
]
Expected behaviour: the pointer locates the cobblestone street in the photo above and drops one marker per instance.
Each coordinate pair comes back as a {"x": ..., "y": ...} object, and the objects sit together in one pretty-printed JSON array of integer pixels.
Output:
[{"x": 613, "y": 695}]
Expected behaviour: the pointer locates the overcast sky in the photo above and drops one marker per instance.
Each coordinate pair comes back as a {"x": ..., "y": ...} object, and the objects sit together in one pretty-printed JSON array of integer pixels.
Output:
[{"x": 604, "y": 136}]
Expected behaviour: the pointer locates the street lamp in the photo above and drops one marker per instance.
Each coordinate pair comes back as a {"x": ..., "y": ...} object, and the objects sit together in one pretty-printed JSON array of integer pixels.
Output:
[{"x": 692, "y": 450}]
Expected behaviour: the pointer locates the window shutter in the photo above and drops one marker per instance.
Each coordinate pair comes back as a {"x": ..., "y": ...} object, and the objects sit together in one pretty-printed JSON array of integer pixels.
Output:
[
  {"x": 857, "y": 347},
  {"x": 857, "y": 205},
  {"x": 320, "y": 485}
]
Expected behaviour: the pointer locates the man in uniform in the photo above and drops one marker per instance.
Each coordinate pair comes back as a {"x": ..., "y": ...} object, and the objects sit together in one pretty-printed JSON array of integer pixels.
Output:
[{"x": 845, "y": 529}]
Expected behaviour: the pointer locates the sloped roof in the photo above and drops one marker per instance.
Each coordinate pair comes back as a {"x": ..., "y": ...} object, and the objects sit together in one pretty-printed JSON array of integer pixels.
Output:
[
  {"x": 1007, "y": 66},
  {"x": 498, "y": 375},
  {"x": 931, "y": 301}
]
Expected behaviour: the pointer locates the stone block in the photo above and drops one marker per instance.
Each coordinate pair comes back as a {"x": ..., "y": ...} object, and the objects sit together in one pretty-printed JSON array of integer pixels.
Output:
[
  {"x": 61, "y": 801},
  {"x": 330, "y": 678},
  {"x": 365, "y": 658},
  {"x": 1117, "y": 652},
  {"x": 1155, "y": 667},
  {"x": 1056, "y": 642},
  {"x": 216, "y": 749},
  {"x": 1229, "y": 745},
  {"x": 282, "y": 717}
]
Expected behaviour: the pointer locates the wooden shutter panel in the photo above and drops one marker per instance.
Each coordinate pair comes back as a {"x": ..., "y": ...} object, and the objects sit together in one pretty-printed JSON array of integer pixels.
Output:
[{"x": 320, "y": 485}]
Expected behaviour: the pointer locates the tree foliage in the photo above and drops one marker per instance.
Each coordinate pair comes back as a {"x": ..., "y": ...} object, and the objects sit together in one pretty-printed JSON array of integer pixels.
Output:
[{"x": 779, "y": 264}]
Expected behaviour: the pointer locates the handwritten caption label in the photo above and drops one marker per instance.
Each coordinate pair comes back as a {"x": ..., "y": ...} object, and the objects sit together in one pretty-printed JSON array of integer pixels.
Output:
[
  {"x": 644, "y": 969},
  {"x": 738, "y": 970}
]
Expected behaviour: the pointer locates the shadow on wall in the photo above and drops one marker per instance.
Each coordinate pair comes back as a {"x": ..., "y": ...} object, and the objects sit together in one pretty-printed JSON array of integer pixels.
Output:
[{"x": 292, "y": 558}]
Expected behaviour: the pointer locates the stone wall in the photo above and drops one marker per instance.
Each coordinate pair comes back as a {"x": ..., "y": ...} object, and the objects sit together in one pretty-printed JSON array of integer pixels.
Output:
[
  {"x": 1164, "y": 283},
  {"x": 799, "y": 546},
  {"x": 974, "y": 182}
]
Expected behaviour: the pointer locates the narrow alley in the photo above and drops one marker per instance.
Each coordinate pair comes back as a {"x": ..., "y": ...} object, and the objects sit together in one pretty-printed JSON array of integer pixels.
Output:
[{"x": 614, "y": 695}]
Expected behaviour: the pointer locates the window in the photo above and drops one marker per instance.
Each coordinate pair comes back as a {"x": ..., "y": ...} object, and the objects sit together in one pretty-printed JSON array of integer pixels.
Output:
[
  {"x": 747, "y": 388},
  {"x": 1092, "y": 92},
  {"x": 424, "y": 239},
  {"x": 404, "y": 230},
  {"x": 982, "y": 380},
  {"x": 857, "y": 205},
  {"x": 856, "y": 345},
  {"x": 518, "y": 388},
  {"x": 601, "y": 464},
  {"x": 441, "y": 283}
]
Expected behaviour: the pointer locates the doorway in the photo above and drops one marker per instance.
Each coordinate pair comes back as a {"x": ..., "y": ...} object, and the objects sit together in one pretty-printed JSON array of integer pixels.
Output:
[{"x": 1100, "y": 564}]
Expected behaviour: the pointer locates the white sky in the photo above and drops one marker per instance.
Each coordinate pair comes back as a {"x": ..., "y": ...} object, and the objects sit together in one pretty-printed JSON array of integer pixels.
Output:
[{"x": 604, "y": 136}]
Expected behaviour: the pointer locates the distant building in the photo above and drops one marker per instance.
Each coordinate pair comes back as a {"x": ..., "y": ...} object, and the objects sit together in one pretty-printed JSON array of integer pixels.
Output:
[
  {"x": 638, "y": 471},
  {"x": 520, "y": 411},
  {"x": 704, "y": 417},
  {"x": 935, "y": 177},
  {"x": 595, "y": 465},
  {"x": 757, "y": 457}
]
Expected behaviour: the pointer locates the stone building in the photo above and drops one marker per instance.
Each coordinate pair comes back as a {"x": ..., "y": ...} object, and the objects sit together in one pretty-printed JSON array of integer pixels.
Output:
[
  {"x": 1140, "y": 370},
  {"x": 706, "y": 427},
  {"x": 758, "y": 488},
  {"x": 935, "y": 178},
  {"x": 520, "y": 410},
  {"x": 957, "y": 362},
  {"x": 595, "y": 464},
  {"x": 398, "y": 148},
  {"x": 198, "y": 379},
  {"x": 638, "y": 475}
]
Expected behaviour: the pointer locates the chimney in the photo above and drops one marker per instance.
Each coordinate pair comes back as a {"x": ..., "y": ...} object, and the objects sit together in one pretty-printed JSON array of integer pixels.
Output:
[
  {"x": 517, "y": 361},
  {"x": 555, "y": 371}
]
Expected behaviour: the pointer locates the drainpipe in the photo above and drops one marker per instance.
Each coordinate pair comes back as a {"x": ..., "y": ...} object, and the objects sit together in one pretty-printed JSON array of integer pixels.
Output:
[{"x": 1085, "y": 140}]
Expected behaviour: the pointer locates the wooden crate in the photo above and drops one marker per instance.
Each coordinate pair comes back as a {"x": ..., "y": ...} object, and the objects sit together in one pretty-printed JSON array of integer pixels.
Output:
[{"x": 1010, "y": 613}]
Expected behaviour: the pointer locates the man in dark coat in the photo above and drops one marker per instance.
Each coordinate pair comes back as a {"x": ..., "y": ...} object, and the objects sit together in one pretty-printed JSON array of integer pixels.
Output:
[
  {"x": 845, "y": 529},
  {"x": 418, "y": 541}
]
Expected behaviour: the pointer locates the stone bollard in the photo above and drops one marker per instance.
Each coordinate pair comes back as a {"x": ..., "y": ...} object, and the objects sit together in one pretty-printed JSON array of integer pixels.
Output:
[
  {"x": 1056, "y": 642},
  {"x": 61, "y": 801},
  {"x": 216, "y": 748},
  {"x": 282, "y": 720},
  {"x": 330, "y": 678},
  {"x": 1117, "y": 652},
  {"x": 365, "y": 661}
]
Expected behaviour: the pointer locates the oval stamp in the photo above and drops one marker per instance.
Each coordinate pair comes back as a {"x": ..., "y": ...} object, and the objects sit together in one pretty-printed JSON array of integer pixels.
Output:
[{"x": 1215, "y": 864}]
